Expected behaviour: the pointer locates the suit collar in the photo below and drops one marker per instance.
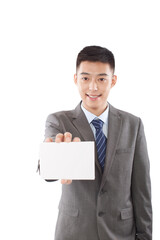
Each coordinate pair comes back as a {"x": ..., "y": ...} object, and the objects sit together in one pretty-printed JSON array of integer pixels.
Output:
[{"x": 90, "y": 116}]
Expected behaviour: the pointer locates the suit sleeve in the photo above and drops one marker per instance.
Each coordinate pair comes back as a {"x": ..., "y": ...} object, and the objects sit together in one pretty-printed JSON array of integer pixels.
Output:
[
  {"x": 141, "y": 188},
  {"x": 52, "y": 128}
]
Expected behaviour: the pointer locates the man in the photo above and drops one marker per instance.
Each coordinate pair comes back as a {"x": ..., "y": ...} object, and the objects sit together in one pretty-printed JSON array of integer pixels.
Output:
[{"x": 117, "y": 204}]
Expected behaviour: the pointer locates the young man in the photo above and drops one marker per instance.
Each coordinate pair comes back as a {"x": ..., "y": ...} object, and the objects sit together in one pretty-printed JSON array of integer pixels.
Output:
[{"x": 117, "y": 204}]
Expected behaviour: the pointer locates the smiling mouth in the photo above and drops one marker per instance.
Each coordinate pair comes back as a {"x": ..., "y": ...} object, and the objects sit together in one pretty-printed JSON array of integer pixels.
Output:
[{"x": 93, "y": 97}]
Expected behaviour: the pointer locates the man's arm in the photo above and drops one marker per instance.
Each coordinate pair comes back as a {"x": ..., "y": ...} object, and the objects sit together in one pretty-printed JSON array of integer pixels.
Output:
[
  {"x": 52, "y": 127},
  {"x": 141, "y": 188}
]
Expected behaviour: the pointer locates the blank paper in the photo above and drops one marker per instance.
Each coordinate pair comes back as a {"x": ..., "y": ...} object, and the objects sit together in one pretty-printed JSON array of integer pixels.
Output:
[{"x": 73, "y": 160}]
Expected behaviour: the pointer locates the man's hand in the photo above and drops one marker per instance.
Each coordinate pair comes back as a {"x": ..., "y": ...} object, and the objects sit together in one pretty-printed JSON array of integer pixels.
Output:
[{"x": 66, "y": 137}]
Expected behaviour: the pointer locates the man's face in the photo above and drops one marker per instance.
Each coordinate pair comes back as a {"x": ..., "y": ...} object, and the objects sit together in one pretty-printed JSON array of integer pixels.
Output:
[{"x": 94, "y": 81}]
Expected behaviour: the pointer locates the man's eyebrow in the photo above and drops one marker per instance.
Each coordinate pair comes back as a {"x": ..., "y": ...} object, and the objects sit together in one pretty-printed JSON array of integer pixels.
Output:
[
  {"x": 84, "y": 73},
  {"x": 100, "y": 74},
  {"x": 103, "y": 74}
]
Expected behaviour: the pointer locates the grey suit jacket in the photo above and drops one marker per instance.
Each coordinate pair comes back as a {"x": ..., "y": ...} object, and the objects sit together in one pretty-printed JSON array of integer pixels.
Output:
[{"x": 117, "y": 204}]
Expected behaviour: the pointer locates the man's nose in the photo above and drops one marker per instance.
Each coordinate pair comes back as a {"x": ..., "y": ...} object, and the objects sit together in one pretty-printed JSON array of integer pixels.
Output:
[{"x": 93, "y": 85}]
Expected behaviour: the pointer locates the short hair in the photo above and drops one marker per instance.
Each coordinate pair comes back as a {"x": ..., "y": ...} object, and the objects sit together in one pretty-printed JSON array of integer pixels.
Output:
[{"x": 96, "y": 54}]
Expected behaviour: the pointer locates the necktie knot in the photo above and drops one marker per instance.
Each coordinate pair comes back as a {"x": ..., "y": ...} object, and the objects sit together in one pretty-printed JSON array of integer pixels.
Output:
[{"x": 97, "y": 123}]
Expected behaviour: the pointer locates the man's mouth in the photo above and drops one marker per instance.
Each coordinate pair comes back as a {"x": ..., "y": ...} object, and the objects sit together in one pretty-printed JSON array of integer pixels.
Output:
[{"x": 93, "y": 97}]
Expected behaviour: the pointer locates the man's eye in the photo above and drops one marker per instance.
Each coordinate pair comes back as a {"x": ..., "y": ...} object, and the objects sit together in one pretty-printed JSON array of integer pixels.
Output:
[
  {"x": 85, "y": 78},
  {"x": 102, "y": 79}
]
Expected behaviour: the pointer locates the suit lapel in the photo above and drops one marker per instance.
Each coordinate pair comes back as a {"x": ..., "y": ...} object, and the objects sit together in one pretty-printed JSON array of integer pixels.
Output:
[
  {"x": 114, "y": 129},
  {"x": 82, "y": 125}
]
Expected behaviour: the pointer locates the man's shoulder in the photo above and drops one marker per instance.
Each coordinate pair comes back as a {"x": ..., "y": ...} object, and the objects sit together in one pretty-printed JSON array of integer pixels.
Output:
[
  {"x": 125, "y": 115},
  {"x": 61, "y": 113}
]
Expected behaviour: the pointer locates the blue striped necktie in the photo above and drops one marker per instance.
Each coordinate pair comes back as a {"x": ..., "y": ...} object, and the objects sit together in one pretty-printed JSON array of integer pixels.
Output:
[{"x": 101, "y": 141}]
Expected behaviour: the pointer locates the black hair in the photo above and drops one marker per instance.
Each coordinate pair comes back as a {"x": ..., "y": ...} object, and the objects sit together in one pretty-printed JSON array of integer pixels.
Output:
[{"x": 96, "y": 54}]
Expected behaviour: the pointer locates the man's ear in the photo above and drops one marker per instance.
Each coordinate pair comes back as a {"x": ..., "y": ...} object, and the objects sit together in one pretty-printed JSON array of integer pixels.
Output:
[
  {"x": 75, "y": 78},
  {"x": 114, "y": 80}
]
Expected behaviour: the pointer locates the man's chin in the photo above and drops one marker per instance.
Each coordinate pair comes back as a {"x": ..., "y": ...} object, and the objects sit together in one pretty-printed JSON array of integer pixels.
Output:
[{"x": 92, "y": 105}]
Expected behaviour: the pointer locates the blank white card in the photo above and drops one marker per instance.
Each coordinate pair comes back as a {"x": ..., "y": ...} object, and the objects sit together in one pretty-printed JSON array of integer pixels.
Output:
[{"x": 74, "y": 160}]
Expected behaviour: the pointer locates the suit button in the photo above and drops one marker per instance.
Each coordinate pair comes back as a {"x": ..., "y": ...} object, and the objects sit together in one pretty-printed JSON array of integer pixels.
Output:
[{"x": 100, "y": 214}]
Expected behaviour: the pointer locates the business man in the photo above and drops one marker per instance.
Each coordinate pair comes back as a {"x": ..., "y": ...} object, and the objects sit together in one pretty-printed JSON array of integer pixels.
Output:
[{"x": 117, "y": 204}]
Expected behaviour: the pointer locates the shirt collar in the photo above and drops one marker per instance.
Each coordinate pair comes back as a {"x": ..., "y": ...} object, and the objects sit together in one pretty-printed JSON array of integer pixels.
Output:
[{"x": 90, "y": 116}]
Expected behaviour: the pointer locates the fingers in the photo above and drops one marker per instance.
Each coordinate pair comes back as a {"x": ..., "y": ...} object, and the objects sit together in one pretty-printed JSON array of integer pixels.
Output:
[
  {"x": 59, "y": 138},
  {"x": 66, "y": 181},
  {"x": 76, "y": 139},
  {"x": 48, "y": 140},
  {"x": 67, "y": 137}
]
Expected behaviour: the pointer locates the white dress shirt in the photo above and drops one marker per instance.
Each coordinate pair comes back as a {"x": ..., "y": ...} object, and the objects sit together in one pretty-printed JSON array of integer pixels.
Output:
[{"x": 104, "y": 117}]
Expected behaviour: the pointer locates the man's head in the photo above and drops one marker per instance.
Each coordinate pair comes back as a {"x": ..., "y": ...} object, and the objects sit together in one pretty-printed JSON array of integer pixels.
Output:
[
  {"x": 96, "y": 54},
  {"x": 95, "y": 77}
]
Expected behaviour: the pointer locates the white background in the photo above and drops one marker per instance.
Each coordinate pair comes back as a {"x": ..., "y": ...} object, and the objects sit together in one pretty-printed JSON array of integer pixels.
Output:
[{"x": 39, "y": 43}]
